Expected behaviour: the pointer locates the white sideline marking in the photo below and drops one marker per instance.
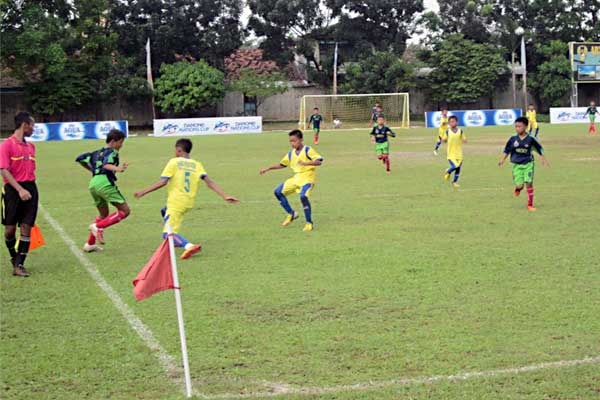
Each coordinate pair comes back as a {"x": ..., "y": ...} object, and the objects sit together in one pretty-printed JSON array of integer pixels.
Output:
[
  {"x": 284, "y": 389},
  {"x": 174, "y": 371}
]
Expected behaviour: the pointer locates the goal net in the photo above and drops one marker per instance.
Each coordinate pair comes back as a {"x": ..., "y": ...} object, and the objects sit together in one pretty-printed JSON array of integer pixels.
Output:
[{"x": 355, "y": 110}]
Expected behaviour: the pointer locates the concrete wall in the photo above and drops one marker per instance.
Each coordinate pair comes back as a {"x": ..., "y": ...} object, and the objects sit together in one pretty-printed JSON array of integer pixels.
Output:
[
  {"x": 281, "y": 107},
  {"x": 138, "y": 113}
]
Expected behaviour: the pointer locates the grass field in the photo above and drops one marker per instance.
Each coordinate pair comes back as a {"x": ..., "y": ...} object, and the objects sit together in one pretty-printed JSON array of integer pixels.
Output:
[{"x": 404, "y": 278}]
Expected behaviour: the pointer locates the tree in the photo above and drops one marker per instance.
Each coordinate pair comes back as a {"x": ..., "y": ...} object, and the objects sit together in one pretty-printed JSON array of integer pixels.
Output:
[
  {"x": 259, "y": 86},
  {"x": 380, "y": 72},
  {"x": 187, "y": 87},
  {"x": 178, "y": 29},
  {"x": 552, "y": 79},
  {"x": 384, "y": 24},
  {"x": 65, "y": 54},
  {"x": 463, "y": 70},
  {"x": 283, "y": 23}
]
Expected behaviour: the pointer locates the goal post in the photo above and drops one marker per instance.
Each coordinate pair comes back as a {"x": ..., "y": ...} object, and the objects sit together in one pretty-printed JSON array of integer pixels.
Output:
[{"x": 354, "y": 110}]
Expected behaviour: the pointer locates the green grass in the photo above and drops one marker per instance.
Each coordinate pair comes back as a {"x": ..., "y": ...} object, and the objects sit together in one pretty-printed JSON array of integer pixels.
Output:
[{"x": 403, "y": 277}]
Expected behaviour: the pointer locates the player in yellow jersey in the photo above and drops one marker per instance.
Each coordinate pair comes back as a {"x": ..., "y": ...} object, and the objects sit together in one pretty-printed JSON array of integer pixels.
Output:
[
  {"x": 181, "y": 176},
  {"x": 532, "y": 117},
  {"x": 441, "y": 130},
  {"x": 303, "y": 160},
  {"x": 455, "y": 137}
]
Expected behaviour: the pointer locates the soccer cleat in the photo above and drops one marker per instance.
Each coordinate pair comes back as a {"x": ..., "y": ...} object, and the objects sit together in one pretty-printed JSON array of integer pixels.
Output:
[
  {"x": 20, "y": 271},
  {"x": 455, "y": 185},
  {"x": 516, "y": 193},
  {"x": 195, "y": 248},
  {"x": 91, "y": 248},
  {"x": 290, "y": 218},
  {"x": 98, "y": 233},
  {"x": 308, "y": 227},
  {"x": 446, "y": 176},
  {"x": 435, "y": 152},
  {"x": 531, "y": 208}
]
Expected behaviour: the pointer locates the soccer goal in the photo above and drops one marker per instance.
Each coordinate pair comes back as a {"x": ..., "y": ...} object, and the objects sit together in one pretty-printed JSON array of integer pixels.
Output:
[{"x": 354, "y": 110}]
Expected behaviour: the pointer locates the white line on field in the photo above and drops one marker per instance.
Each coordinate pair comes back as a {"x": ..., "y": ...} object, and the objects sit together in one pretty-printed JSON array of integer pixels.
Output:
[
  {"x": 284, "y": 389},
  {"x": 174, "y": 371}
]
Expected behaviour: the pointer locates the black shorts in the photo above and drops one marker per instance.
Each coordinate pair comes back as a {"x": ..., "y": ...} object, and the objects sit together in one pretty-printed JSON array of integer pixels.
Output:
[{"x": 16, "y": 211}]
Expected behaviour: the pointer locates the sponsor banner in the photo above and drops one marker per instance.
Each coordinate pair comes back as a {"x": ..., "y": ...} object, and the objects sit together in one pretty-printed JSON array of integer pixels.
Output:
[
  {"x": 569, "y": 115},
  {"x": 76, "y": 130},
  {"x": 207, "y": 126},
  {"x": 475, "y": 117}
]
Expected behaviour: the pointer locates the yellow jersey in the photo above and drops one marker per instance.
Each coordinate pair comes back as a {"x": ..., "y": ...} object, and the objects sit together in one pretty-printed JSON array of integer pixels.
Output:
[
  {"x": 443, "y": 125},
  {"x": 184, "y": 176},
  {"x": 455, "y": 142},
  {"x": 531, "y": 116},
  {"x": 306, "y": 154}
]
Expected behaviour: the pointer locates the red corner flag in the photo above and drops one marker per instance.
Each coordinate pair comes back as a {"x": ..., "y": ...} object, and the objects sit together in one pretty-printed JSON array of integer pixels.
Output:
[{"x": 156, "y": 276}]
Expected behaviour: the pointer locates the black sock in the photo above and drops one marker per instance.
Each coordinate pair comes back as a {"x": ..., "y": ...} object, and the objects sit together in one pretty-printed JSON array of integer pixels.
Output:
[
  {"x": 10, "y": 244},
  {"x": 22, "y": 250}
]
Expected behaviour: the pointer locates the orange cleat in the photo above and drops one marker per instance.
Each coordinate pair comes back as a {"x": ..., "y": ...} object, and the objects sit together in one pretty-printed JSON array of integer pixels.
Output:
[
  {"x": 195, "y": 248},
  {"x": 531, "y": 208}
]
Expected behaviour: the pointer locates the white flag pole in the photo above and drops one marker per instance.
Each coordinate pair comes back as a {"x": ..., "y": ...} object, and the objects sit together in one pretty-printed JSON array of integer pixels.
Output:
[
  {"x": 149, "y": 75},
  {"x": 184, "y": 352}
]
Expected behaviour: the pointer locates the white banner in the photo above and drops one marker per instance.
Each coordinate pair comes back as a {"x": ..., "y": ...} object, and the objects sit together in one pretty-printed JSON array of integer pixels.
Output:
[
  {"x": 207, "y": 126},
  {"x": 569, "y": 115}
]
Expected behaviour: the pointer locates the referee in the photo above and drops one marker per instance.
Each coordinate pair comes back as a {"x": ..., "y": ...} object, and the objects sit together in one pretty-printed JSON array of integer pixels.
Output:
[{"x": 19, "y": 195}]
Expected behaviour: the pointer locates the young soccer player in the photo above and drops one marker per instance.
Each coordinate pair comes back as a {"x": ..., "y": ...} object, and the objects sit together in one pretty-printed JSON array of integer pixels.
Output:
[
  {"x": 532, "y": 117},
  {"x": 379, "y": 136},
  {"x": 591, "y": 111},
  {"x": 455, "y": 137},
  {"x": 315, "y": 121},
  {"x": 442, "y": 129},
  {"x": 181, "y": 176},
  {"x": 104, "y": 165},
  {"x": 519, "y": 149},
  {"x": 376, "y": 112},
  {"x": 303, "y": 160}
]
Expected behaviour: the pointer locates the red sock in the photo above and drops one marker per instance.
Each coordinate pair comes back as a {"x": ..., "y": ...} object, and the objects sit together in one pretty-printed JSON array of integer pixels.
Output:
[
  {"x": 530, "y": 196},
  {"x": 92, "y": 239},
  {"x": 112, "y": 219},
  {"x": 387, "y": 163}
]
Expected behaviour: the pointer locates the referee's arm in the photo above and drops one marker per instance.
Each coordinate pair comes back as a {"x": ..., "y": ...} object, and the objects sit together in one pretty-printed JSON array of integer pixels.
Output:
[{"x": 23, "y": 193}]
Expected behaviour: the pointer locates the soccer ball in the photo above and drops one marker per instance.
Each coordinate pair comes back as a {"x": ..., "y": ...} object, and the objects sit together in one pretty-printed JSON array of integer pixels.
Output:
[{"x": 337, "y": 123}]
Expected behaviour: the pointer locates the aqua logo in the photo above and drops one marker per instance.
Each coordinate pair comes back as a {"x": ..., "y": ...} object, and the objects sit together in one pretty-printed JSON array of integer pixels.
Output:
[{"x": 71, "y": 131}]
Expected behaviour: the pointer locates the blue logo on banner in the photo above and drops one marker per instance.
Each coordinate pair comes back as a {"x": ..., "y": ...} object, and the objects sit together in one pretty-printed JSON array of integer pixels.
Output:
[
  {"x": 40, "y": 133},
  {"x": 170, "y": 129},
  {"x": 71, "y": 131},
  {"x": 102, "y": 128},
  {"x": 222, "y": 127},
  {"x": 474, "y": 118},
  {"x": 505, "y": 117}
]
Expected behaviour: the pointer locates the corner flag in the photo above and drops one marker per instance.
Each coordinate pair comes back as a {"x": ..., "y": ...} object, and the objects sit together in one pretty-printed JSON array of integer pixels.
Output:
[
  {"x": 160, "y": 273},
  {"x": 156, "y": 275}
]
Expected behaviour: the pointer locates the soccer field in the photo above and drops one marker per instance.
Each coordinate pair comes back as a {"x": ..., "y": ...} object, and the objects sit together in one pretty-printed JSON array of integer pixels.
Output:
[{"x": 407, "y": 288}]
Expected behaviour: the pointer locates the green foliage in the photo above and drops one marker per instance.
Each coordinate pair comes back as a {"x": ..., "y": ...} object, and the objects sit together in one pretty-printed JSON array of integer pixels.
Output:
[
  {"x": 464, "y": 70},
  {"x": 193, "y": 29},
  {"x": 260, "y": 86},
  {"x": 187, "y": 87},
  {"x": 65, "y": 54},
  {"x": 380, "y": 72},
  {"x": 552, "y": 79}
]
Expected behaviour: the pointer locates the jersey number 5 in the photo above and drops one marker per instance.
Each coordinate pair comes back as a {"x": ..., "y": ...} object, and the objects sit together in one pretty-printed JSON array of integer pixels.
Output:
[{"x": 187, "y": 182}]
